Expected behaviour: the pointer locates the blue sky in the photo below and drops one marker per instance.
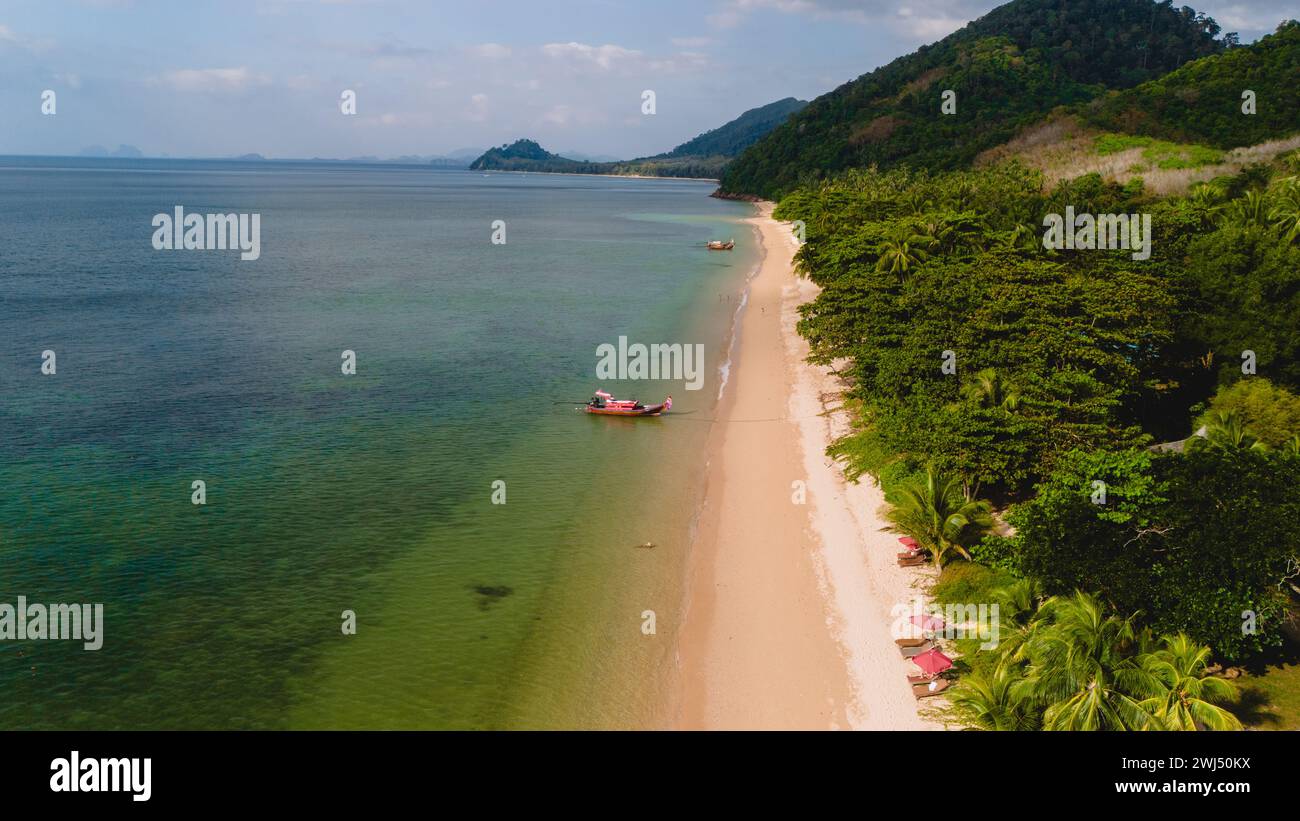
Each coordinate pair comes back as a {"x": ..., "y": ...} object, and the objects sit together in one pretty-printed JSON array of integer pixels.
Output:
[{"x": 207, "y": 78}]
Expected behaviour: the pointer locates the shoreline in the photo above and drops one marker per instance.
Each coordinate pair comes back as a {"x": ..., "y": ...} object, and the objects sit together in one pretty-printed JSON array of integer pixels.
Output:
[
  {"x": 583, "y": 174},
  {"x": 786, "y": 623}
]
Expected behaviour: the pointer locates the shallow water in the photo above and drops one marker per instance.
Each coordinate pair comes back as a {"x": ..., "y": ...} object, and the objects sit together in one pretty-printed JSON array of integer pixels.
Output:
[{"x": 326, "y": 492}]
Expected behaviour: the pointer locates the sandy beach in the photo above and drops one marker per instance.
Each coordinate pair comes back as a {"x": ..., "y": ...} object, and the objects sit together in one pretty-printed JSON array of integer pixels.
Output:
[{"x": 787, "y": 619}]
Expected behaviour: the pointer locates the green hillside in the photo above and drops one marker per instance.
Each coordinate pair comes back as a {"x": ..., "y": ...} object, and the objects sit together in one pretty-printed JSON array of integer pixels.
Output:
[
  {"x": 739, "y": 134},
  {"x": 704, "y": 156},
  {"x": 1201, "y": 102},
  {"x": 1008, "y": 69}
]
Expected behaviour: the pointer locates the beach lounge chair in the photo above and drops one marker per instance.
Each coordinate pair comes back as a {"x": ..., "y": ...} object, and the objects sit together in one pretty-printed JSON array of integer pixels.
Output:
[
  {"x": 934, "y": 688},
  {"x": 916, "y": 650},
  {"x": 910, "y": 642},
  {"x": 912, "y": 562}
]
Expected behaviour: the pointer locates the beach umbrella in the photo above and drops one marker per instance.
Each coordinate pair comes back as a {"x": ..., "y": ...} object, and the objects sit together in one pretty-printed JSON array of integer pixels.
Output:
[
  {"x": 909, "y": 542},
  {"x": 932, "y": 662},
  {"x": 928, "y": 622}
]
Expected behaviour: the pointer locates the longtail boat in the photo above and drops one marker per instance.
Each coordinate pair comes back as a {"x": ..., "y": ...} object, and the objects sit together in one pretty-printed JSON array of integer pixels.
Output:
[
  {"x": 605, "y": 404},
  {"x": 719, "y": 245}
]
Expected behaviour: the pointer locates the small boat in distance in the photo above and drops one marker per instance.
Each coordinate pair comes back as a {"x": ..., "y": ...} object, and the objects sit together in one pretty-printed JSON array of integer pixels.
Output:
[
  {"x": 719, "y": 245},
  {"x": 605, "y": 404}
]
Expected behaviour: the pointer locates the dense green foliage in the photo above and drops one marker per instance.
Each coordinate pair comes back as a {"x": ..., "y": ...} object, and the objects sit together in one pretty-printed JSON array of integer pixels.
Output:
[
  {"x": 1072, "y": 664},
  {"x": 1051, "y": 351},
  {"x": 937, "y": 513},
  {"x": 703, "y": 157},
  {"x": 1242, "y": 274},
  {"x": 982, "y": 363},
  {"x": 1066, "y": 384},
  {"x": 1007, "y": 69},
  {"x": 1269, "y": 413},
  {"x": 1193, "y": 540},
  {"x": 1201, "y": 102}
]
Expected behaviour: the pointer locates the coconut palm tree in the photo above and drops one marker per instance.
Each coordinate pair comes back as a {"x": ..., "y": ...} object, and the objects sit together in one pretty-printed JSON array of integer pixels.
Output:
[
  {"x": 1227, "y": 430},
  {"x": 1081, "y": 668},
  {"x": 1023, "y": 237},
  {"x": 936, "y": 513},
  {"x": 1206, "y": 200},
  {"x": 1205, "y": 195},
  {"x": 1189, "y": 699},
  {"x": 1291, "y": 447},
  {"x": 900, "y": 255},
  {"x": 1250, "y": 210},
  {"x": 1285, "y": 213},
  {"x": 989, "y": 390},
  {"x": 991, "y": 699}
]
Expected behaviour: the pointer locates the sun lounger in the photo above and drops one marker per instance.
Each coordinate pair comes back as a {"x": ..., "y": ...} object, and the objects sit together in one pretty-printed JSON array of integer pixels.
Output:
[
  {"x": 912, "y": 562},
  {"x": 934, "y": 688},
  {"x": 917, "y": 650},
  {"x": 910, "y": 642}
]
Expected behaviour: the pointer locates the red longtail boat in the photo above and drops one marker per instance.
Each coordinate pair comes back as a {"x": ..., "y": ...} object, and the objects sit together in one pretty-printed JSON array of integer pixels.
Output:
[{"x": 605, "y": 404}]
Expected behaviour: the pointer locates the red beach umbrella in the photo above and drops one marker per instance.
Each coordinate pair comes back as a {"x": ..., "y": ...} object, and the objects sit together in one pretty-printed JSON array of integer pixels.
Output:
[
  {"x": 928, "y": 622},
  {"x": 909, "y": 542},
  {"x": 932, "y": 662}
]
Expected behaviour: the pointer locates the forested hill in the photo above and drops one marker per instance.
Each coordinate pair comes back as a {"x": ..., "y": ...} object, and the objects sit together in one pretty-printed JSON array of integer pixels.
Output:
[
  {"x": 1007, "y": 69},
  {"x": 734, "y": 137},
  {"x": 1202, "y": 101},
  {"x": 703, "y": 156}
]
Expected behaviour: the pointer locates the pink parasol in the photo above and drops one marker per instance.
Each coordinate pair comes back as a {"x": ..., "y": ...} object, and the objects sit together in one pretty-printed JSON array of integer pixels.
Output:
[
  {"x": 909, "y": 542},
  {"x": 928, "y": 622},
  {"x": 932, "y": 662}
]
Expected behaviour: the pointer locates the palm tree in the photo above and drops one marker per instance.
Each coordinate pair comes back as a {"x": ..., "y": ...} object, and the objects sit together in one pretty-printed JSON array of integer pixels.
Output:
[
  {"x": 1227, "y": 430},
  {"x": 938, "y": 233},
  {"x": 1286, "y": 211},
  {"x": 936, "y": 513},
  {"x": 1206, "y": 199},
  {"x": 1248, "y": 211},
  {"x": 1205, "y": 196},
  {"x": 1081, "y": 669},
  {"x": 1291, "y": 447},
  {"x": 1190, "y": 698},
  {"x": 969, "y": 230},
  {"x": 899, "y": 255},
  {"x": 991, "y": 699},
  {"x": 989, "y": 390},
  {"x": 1023, "y": 237},
  {"x": 916, "y": 203}
]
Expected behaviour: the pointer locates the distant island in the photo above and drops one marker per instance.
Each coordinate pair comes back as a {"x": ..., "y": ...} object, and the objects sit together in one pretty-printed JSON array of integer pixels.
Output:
[
  {"x": 704, "y": 156},
  {"x": 124, "y": 150}
]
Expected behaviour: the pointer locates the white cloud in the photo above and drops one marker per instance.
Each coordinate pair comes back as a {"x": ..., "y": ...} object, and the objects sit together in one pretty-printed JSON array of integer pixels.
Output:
[
  {"x": 604, "y": 56},
  {"x": 478, "y": 108},
  {"x": 931, "y": 27},
  {"x": 492, "y": 51},
  {"x": 565, "y": 115},
  {"x": 212, "y": 79}
]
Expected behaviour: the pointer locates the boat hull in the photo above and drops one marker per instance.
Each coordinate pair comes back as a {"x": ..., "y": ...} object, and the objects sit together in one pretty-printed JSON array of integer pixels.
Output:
[{"x": 648, "y": 410}]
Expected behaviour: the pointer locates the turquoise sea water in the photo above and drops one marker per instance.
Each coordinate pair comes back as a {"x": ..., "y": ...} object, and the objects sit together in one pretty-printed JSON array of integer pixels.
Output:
[{"x": 328, "y": 492}]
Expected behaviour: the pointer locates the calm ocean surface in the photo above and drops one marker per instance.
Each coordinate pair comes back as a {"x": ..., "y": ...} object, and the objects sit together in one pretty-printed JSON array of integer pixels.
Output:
[{"x": 371, "y": 492}]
